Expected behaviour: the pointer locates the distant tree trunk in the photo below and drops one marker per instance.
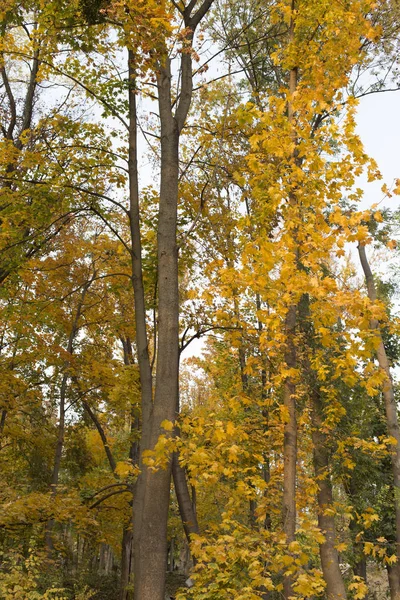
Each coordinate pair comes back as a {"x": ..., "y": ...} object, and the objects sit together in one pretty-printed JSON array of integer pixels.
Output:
[
  {"x": 126, "y": 544},
  {"x": 360, "y": 568},
  {"x": 3, "y": 420},
  {"x": 391, "y": 413},
  {"x": 335, "y": 588},
  {"x": 60, "y": 436},
  {"x": 186, "y": 503},
  {"x": 186, "y": 508},
  {"x": 61, "y": 420},
  {"x": 57, "y": 458},
  {"x": 126, "y": 582},
  {"x": 17, "y": 124},
  {"x": 126, "y": 563},
  {"x": 359, "y": 562},
  {"x": 290, "y": 445},
  {"x": 171, "y": 561}
]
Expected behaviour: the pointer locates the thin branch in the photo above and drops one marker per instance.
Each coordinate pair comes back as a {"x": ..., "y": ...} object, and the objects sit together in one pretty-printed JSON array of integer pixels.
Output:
[
  {"x": 114, "y": 493},
  {"x": 202, "y": 332},
  {"x": 82, "y": 85},
  {"x": 111, "y": 228},
  {"x": 11, "y": 101},
  {"x": 70, "y": 186},
  {"x": 107, "y": 487}
]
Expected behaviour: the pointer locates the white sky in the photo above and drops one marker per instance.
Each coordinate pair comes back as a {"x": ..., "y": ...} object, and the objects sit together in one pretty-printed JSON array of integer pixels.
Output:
[{"x": 379, "y": 128}]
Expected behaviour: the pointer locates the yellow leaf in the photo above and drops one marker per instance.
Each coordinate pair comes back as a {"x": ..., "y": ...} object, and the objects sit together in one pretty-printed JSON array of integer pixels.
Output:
[
  {"x": 167, "y": 425},
  {"x": 124, "y": 468},
  {"x": 230, "y": 428},
  {"x": 341, "y": 547}
]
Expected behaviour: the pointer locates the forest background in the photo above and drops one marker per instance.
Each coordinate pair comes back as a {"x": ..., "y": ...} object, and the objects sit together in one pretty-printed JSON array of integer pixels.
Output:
[{"x": 175, "y": 174}]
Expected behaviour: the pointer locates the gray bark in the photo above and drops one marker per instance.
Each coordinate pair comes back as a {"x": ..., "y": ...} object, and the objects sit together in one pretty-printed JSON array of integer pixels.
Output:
[
  {"x": 289, "y": 401},
  {"x": 151, "y": 501},
  {"x": 153, "y": 488}
]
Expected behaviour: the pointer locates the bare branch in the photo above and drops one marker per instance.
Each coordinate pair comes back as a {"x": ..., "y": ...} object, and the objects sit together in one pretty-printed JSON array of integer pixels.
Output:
[{"x": 11, "y": 101}]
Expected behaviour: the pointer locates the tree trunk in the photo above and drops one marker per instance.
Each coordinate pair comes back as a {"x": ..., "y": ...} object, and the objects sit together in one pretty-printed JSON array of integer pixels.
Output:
[
  {"x": 171, "y": 562},
  {"x": 100, "y": 430},
  {"x": 289, "y": 401},
  {"x": 186, "y": 508},
  {"x": 151, "y": 502},
  {"x": 140, "y": 319},
  {"x": 390, "y": 409},
  {"x": 394, "y": 579},
  {"x": 60, "y": 436},
  {"x": 360, "y": 569},
  {"x": 57, "y": 458},
  {"x": 290, "y": 446},
  {"x": 126, "y": 560},
  {"x": 2, "y": 420},
  {"x": 359, "y": 561},
  {"x": 335, "y": 587},
  {"x": 142, "y": 346},
  {"x": 150, "y": 561}
]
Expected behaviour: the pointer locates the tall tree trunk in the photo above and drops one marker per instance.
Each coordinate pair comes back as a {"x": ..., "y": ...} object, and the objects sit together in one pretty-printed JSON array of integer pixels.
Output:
[
  {"x": 390, "y": 409},
  {"x": 151, "y": 552},
  {"x": 289, "y": 401},
  {"x": 142, "y": 348},
  {"x": 335, "y": 587},
  {"x": 151, "y": 501}
]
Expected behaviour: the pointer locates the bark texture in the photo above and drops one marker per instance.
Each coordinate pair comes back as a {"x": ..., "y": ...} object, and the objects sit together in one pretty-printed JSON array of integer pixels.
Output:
[
  {"x": 289, "y": 401},
  {"x": 394, "y": 581},
  {"x": 151, "y": 547},
  {"x": 186, "y": 506},
  {"x": 151, "y": 502}
]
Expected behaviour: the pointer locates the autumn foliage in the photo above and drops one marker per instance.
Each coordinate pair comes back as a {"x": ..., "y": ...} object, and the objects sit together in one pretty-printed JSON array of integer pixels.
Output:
[{"x": 198, "y": 347}]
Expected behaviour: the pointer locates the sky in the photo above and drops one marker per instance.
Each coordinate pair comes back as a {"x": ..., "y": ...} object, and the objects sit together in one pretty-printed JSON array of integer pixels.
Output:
[{"x": 378, "y": 122}]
